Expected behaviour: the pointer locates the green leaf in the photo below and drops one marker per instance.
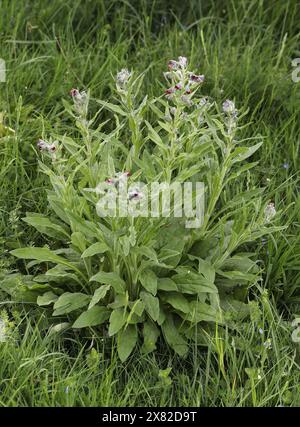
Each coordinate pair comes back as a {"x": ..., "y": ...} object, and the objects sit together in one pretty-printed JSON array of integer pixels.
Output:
[
  {"x": 92, "y": 317},
  {"x": 200, "y": 311},
  {"x": 116, "y": 321},
  {"x": 40, "y": 254},
  {"x": 43, "y": 255},
  {"x": 45, "y": 226},
  {"x": 87, "y": 228},
  {"x": 207, "y": 270},
  {"x": 112, "y": 279},
  {"x": 60, "y": 327},
  {"x": 166, "y": 284},
  {"x": 137, "y": 309},
  {"x": 236, "y": 277},
  {"x": 68, "y": 302},
  {"x": 98, "y": 295},
  {"x": 5, "y": 130},
  {"x": 112, "y": 107},
  {"x": 173, "y": 338},
  {"x": 150, "y": 334},
  {"x": 153, "y": 135},
  {"x": 126, "y": 342},
  {"x": 151, "y": 305},
  {"x": 148, "y": 280},
  {"x": 58, "y": 273},
  {"x": 242, "y": 153},
  {"x": 121, "y": 300},
  {"x": 47, "y": 298},
  {"x": 78, "y": 240},
  {"x": 96, "y": 248},
  {"x": 178, "y": 301},
  {"x": 190, "y": 282},
  {"x": 162, "y": 316}
]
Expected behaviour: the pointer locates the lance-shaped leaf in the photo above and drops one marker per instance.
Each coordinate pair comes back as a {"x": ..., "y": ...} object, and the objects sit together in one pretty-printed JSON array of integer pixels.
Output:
[
  {"x": 116, "y": 321},
  {"x": 99, "y": 294},
  {"x": 148, "y": 280},
  {"x": 126, "y": 341},
  {"x": 151, "y": 305},
  {"x": 150, "y": 334},
  {"x": 112, "y": 279},
  {"x": 173, "y": 337},
  {"x": 92, "y": 317},
  {"x": 68, "y": 302},
  {"x": 47, "y": 298},
  {"x": 96, "y": 248}
]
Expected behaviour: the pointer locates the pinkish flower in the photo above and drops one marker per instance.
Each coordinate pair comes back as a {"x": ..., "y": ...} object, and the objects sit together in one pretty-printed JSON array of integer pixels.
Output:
[
  {"x": 74, "y": 92},
  {"x": 120, "y": 178},
  {"x": 42, "y": 145},
  {"x": 182, "y": 60},
  {"x": 170, "y": 91},
  {"x": 172, "y": 65},
  {"x": 197, "y": 78},
  {"x": 228, "y": 106},
  {"x": 45, "y": 146}
]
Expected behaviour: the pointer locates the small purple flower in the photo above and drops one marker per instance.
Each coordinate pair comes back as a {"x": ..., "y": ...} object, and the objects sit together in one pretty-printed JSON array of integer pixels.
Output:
[
  {"x": 123, "y": 77},
  {"x": 170, "y": 92},
  {"x": 228, "y": 107},
  {"x": 45, "y": 146},
  {"x": 42, "y": 145},
  {"x": 81, "y": 101},
  {"x": 197, "y": 78},
  {"x": 120, "y": 178},
  {"x": 74, "y": 92},
  {"x": 172, "y": 65},
  {"x": 182, "y": 60},
  {"x": 285, "y": 165}
]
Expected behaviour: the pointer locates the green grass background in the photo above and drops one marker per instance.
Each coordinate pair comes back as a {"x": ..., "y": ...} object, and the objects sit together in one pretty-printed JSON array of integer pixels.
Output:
[{"x": 245, "y": 49}]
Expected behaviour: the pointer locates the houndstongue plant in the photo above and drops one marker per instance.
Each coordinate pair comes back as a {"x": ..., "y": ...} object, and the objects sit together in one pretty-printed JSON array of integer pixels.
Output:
[{"x": 145, "y": 277}]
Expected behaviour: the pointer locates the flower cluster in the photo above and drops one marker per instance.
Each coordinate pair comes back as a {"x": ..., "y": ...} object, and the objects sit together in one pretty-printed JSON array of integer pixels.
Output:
[
  {"x": 122, "y": 78},
  {"x": 229, "y": 108},
  {"x": 231, "y": 114},
  {"x": 46, "y": 146},
  {"x": 183, "y": 81},
  {"x": 119, "y": 179},
  {"x": 81, "y": 101}
]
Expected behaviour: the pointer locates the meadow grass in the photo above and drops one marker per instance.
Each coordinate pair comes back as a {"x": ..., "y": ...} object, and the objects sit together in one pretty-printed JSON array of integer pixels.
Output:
[{"x": 245, "y": 49}]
